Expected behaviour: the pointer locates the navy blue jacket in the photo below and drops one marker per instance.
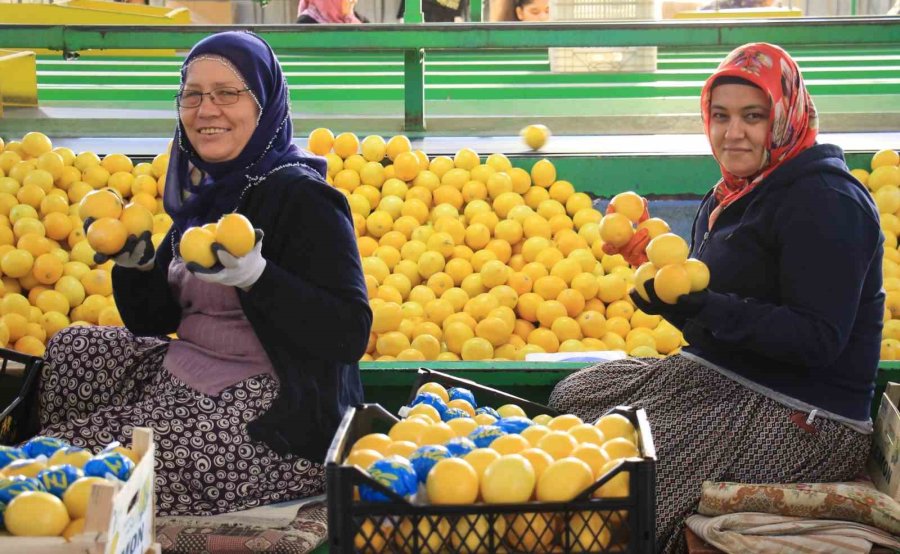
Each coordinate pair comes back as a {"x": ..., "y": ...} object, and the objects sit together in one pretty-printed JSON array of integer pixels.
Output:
[
  {"x": 795, "y": 267},
  {"x": 309, "y": 308}
]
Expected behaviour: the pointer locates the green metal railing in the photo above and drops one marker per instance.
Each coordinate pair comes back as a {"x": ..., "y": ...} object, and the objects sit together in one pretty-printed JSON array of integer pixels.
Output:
[{"x": 414, "y": 38}]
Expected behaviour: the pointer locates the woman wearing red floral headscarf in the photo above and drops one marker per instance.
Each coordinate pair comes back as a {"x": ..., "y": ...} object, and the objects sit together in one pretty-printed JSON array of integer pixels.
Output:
[{"x": 778, "y": 378}]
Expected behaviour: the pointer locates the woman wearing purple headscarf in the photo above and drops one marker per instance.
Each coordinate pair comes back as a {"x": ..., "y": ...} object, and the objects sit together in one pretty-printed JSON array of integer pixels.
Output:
[{"x": 245, "y": 401}]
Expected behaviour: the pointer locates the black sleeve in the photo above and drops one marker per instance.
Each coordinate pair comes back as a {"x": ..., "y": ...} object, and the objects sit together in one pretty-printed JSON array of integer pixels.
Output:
[
  {"x": 144, "y": 298},
  {"x": 316, "y": 294}
]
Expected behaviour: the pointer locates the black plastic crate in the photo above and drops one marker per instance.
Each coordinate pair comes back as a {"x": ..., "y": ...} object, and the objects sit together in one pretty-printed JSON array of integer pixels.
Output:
[
  {"x": 18, "y": 396},
  {"x": 585, "y": 524}
]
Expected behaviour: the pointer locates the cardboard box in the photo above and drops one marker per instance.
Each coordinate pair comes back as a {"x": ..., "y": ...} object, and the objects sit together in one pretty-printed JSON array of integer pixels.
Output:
[
  {"x": 120, "y": 518},
  {"x": 884, "y": 461}
]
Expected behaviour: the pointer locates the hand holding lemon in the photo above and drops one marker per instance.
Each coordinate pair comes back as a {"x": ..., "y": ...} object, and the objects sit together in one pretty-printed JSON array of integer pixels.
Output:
[
  {"x": 226, "y": 253},
  {"x": 670, "y": 284}
]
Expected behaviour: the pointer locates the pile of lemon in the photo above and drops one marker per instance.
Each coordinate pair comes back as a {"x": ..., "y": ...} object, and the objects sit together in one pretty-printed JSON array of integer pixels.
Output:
[
  {"x": 494, "y": 457},
  {"x": 45, "y": 486},
  {"x": 474, "y": 259},
  {"x": 49, "y": 277},
  {"x": 883, "y": 181}
]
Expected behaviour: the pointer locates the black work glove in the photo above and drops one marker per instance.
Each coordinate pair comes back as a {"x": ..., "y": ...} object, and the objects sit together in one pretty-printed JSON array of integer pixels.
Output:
[
  {"x": 686, "y": 307},
  {"x": 138, "y": 251}
]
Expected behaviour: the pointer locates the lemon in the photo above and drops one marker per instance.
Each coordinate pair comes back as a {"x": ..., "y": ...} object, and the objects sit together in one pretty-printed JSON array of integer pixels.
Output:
[
  {"x": 452, "y": 481},
  {"x": 588, "y": 532},
  {"x": 78, "y": 494},
  {"x": 196, "y": 246},
  {"x": 35, "y": 144},
  {"x": 630, "y": 204},
  {"x": 100, "y": 203},
  {"x": 616, "y": 229},
  {"x": 564, "y": 422},
  {"x": 75, "y": 527},
  {"x": 406, "y": 166},
  {"x": 535, "y": 136},
  {"x": 397, "y": 145},
  {"x": 472, "y": 533},
  {"x": 107, "y": 235},
  {"x": 533, "y": 532},
  {"x": 509, "y": 479},
  {"x": 671, "y": 282},
  {"x": 430, "y": 534},
  {"x": 543, "y": 173},
  {"x": 620, "y": 447},
  {"x": 137, "y": 219},
  {"x": 345, "y": 145},
  {"x": 885, "y": 158},
  {"x": 36, "y": 514},
  {"x": 667, "y": 249},
  {"x": 698, "y": 273},
  {"x": 235, "y": 233},
  {"x": 563, "y": 480},
  {"x": 616, "y": 425},
  {"x": 320, "y": 141},
  {"x": 378, "y": 442}
]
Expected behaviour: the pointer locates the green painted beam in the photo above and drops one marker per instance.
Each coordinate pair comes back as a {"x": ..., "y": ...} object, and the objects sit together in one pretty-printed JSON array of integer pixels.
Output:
[
  {"x": 683, "y": 33},
  {"x": 857, "y": 75},
  {"x": 387, "y": 92}
]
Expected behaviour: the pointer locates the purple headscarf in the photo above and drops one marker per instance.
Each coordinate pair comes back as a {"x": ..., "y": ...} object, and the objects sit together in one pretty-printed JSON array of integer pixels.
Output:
[{"x": 270, "y": 146}]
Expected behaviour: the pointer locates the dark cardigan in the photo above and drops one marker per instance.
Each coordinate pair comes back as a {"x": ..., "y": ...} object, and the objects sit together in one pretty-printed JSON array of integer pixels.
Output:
[
  {"x": 796, "y": 270},
  {"x": 309, "y": 308}
]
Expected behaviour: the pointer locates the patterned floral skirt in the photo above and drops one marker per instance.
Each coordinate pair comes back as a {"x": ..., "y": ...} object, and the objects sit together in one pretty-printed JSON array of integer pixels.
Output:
[
  {"x": 98, "y": 383},
  {"x": 707, "y": 427}
]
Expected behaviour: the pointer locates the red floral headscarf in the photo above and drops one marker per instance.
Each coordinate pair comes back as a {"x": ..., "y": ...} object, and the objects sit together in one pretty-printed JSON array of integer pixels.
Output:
[{"x": 793, "y": 121}]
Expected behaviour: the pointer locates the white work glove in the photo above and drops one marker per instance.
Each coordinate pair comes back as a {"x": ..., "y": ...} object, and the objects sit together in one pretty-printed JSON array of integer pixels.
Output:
[
  {"x": 138, "y": 251},
  {"x": 240, "y": 272}
]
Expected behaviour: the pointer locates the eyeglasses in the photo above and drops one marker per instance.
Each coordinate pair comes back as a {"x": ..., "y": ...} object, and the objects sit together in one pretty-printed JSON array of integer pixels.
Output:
[{"x": 221, "y": 97}]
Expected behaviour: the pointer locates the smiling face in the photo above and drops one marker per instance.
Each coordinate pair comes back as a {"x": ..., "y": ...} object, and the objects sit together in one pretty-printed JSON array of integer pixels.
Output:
[
  {"x": 217, "y": 133},
  {"x": 739, "y": 127},
  {"x": 536, "y": 10}
]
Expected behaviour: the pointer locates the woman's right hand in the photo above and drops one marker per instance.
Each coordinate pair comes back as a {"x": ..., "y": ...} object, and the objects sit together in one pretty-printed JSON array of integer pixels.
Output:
[{"x": 138, "y": 251}]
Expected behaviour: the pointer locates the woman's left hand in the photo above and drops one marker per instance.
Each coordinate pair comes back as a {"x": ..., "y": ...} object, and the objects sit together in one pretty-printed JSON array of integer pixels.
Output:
[
  {"x": 684, "y": 308},
  {"x": 240, "y": 272}
]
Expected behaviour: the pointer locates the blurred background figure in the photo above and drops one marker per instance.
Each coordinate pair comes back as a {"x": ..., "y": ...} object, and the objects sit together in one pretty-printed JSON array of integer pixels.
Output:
[
  {"x": 532, "y": 10},
  {"x": 440, "y": 11},
  {"x": 737, "y": 4},
  {"x": 328, "y": 12}
]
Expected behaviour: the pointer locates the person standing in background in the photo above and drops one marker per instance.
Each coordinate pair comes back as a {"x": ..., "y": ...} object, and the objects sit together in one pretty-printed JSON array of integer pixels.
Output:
[{"x": 328, "y": 12}]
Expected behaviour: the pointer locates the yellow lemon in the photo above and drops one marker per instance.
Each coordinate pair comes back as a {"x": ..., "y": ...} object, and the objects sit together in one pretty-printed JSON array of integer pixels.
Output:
[
  {"x": 78, "y": 494},
  {"x": 320, "y": 141},
  {"x": 616, "y": 229},
  {"x": 235, "y": 233},
  {"x": 378, "y": 442},
  {"x": 196, "y": 246},
  {"x": 563, "y": 480},
  {"x": 364, "y": 457},
  {"x": 667, "y": 249},
  {"x": 509, "y": 479},
  {"x": 535, "y": 136},
  {"x": 100, "y": 203},
  {"x": 616, "y": 425},
  {"x": 36, "y": 514},
  {"x": 452, "y": 481},
  {"x": 671, "y": 282},
  {"x": 137, "y": 219},
  {"x": 697, "y": 272},
  {"x": 480, "y": 459},
  {"x": 107, "y": 235}
]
